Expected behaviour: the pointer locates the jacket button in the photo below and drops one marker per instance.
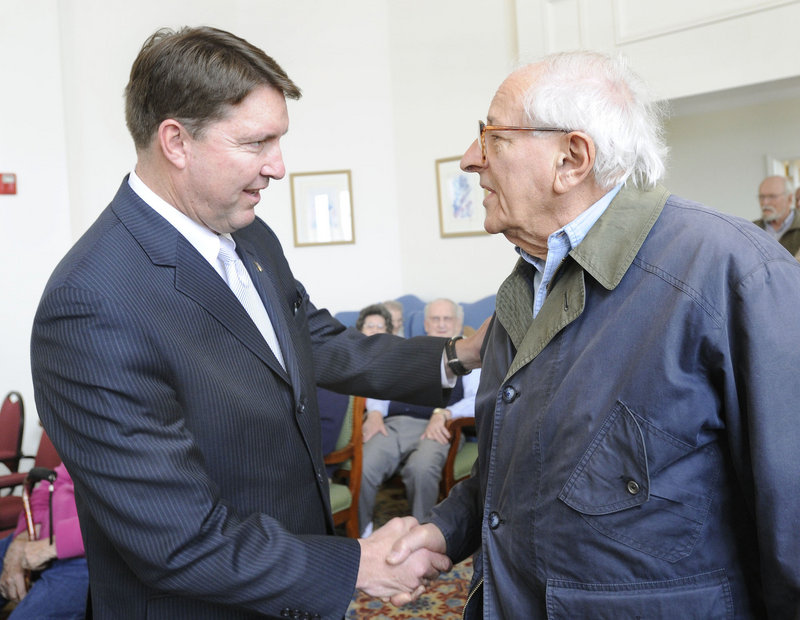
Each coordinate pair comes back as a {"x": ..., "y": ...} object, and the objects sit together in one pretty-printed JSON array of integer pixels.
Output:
[
  {"x": 509, "y": 394},
  {"x": 301, "y": 407},
  {"x": 285, "y": 612},
  {"x": 494, "y": 520},
  {"x": 633, "y": 487}
]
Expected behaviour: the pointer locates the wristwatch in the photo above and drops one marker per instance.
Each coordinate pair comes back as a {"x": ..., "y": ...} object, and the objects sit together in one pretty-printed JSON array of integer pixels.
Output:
[{"x": 453, "y": 362}]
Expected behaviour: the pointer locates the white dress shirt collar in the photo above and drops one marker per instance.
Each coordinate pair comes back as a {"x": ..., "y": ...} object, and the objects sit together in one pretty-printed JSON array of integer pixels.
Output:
[{"x": 203, "y": 239}]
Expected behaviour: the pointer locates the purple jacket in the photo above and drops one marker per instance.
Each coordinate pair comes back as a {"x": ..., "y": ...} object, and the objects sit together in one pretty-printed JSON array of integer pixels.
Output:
[{"x": 67, "y": 531}]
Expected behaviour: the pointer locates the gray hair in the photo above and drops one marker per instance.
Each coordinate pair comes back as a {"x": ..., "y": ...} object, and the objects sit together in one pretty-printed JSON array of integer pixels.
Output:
[
  {"x": 604, "y": 98},
  {"x": 458, "y": 308},
  {"x": 393, "y": 304},
  {"x": 788, "y": 184}
]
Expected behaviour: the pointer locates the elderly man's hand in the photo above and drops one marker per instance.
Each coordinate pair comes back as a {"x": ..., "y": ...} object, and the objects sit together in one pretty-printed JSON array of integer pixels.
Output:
[
  {"x": 418, "y": 538},
  {"x": 12, "y": 579},
  {"x": 38, "y": 554},
  {"x": 373, "y": 425},
  {"x": 413, "y": 569},
  {"x": 468, "y": 350},
  {"x": 437, "y": 427}
]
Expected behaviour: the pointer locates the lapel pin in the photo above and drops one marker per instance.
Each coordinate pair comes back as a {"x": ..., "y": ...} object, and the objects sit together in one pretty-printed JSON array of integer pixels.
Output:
[{"x": 255, "y": 262}]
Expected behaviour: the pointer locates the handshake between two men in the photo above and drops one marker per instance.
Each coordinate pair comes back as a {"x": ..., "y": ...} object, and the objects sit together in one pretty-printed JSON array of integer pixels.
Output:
[{"x": 401, "y": 559}]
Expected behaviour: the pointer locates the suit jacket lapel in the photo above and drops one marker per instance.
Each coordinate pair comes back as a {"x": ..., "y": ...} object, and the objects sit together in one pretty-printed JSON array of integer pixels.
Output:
[
  {"x": 194, "y": 277},
  {"x": 280, "y": 313}
]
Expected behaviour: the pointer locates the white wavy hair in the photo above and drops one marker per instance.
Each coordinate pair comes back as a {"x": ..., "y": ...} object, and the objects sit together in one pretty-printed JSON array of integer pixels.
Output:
[{"x": 601, "y": 96}]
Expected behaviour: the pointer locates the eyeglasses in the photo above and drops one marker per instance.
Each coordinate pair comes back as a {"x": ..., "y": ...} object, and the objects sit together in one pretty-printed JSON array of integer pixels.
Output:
[
  {"x": 771, "y": 197},
  {"x": 483, "y": 128}
]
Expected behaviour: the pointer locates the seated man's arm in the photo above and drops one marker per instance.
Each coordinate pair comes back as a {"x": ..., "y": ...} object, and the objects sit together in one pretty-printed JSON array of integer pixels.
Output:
[{"x": 437, "y": 425}]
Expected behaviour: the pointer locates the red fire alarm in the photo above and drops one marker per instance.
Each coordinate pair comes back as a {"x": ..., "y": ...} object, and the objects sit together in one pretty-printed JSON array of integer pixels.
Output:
[{"x": 8, "y": 183}]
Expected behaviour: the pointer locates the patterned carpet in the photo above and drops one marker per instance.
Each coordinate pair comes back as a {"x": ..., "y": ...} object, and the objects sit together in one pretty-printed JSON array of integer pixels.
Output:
[{"x": 444, "y": 601}]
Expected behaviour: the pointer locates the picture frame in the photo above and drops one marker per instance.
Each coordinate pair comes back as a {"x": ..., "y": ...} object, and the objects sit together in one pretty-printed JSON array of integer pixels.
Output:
[
  {"x": 322, "y": 208},
  {"x": 461, "y": 212}
]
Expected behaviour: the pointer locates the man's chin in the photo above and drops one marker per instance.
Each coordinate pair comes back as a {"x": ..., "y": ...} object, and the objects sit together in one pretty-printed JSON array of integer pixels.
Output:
[{"x": 243, "y": 219}]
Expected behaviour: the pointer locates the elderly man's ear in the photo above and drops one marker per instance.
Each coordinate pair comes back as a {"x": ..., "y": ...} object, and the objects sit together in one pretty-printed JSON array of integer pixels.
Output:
[{"x": 575, "y": 162}]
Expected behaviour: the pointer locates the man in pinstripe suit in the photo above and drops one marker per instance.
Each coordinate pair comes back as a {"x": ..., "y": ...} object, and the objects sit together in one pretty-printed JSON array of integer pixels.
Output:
[{"x": 194, "y": 444}]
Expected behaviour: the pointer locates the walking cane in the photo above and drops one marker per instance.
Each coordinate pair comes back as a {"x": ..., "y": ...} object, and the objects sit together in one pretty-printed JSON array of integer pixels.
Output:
[{"x": 35, "y": 475}]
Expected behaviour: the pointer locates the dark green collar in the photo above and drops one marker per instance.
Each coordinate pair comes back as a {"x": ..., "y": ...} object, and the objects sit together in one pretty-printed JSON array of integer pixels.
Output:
[{"x": 605, "y": 254}]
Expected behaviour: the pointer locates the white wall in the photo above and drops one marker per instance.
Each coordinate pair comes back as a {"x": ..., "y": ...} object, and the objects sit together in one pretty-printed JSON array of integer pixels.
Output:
[
  {"x": 448, "y": 58},
  {"x": 681, "y": 47},
  {"x": 35, "y": 222}
]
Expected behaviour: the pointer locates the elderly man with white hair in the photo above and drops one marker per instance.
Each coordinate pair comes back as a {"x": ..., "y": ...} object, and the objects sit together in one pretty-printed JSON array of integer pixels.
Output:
[
  {"x": 779, "y": 219},
  {"x": 637, "y": 415}
]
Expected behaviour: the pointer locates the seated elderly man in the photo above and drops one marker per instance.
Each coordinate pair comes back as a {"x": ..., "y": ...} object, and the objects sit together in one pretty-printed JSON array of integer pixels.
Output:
[{"x": 411, "y": 438}]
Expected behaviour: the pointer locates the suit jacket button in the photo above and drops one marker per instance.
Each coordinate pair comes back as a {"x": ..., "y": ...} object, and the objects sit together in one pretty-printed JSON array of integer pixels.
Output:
[
  {"x": 301, "y": 408},
  {"x": 285, "y": 612},
  {"x": 494, "y": 520}
]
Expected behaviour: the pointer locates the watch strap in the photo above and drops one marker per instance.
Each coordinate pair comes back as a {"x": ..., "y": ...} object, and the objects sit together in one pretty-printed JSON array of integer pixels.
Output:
[{"x": 453, "y": 362}]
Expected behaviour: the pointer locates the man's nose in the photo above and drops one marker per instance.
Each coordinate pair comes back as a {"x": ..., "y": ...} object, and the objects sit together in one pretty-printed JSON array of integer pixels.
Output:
[
  {"x": 472, "y": 160},
  {"x": 273, "y": 165}
]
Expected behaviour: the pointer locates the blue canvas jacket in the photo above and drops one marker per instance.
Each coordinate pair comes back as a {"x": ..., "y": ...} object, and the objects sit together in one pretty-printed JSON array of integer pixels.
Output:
[{"x": 639, "y": 439}]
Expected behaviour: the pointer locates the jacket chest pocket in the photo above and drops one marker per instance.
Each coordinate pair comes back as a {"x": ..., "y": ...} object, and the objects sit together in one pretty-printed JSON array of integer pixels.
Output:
[{"x": 642, "y": 487}]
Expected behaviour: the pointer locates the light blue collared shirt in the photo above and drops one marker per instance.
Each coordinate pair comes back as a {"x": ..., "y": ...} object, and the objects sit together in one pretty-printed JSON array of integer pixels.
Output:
[{"x": 560, "y": 243}]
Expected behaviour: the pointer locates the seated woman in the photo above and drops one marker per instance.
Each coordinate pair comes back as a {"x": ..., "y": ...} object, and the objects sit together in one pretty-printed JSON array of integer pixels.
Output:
[
  {"x": 374, "y": 319},
  {"x": 59, "y": 577}
]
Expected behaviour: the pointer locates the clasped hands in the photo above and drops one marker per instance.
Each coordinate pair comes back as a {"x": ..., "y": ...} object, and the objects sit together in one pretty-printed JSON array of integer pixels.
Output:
[{"x": 400, "y": 560}]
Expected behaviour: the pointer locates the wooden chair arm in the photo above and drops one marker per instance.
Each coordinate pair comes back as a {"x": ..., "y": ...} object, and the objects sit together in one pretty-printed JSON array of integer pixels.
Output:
[{"x": 455, "y": 427}]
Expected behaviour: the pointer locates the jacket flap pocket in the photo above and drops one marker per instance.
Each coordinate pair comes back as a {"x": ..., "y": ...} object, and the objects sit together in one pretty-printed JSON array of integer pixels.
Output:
[
  {"x": 612, "y": 474},
  {"x": 702, "y": 597}
]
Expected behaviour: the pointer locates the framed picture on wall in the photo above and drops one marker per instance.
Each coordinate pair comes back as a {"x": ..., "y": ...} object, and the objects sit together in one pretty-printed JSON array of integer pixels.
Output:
[
  {"x": 322, "y": 208},
  {"x": 461, "y": 210}
]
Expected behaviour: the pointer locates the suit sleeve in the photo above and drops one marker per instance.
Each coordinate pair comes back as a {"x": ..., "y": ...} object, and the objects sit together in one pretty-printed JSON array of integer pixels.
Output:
[
  {"x": 382, "y": 366},
  {"x": 105, "y": 397}
]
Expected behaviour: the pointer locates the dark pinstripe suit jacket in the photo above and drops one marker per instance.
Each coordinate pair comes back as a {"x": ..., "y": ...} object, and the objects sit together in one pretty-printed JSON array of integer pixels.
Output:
[{"x": 196, "y": 458}]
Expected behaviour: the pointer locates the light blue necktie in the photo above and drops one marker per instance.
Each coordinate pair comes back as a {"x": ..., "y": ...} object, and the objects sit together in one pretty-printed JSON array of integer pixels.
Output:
[{"x": 242, "y": 286}]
